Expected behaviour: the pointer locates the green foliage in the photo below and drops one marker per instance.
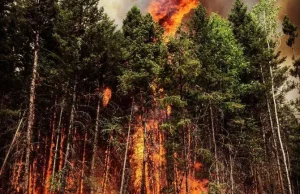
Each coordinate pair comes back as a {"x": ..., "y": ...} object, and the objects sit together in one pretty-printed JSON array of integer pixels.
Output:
[
  {"x": 289, "y": 29},
  {"x": 140, "y": 52},
  {"x": 296, "y": 70}
]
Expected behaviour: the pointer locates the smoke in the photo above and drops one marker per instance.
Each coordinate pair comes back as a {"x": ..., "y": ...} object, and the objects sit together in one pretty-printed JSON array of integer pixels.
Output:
[
  {"x": 291, "y": 8},
  {"x": 117, "y": 9},
  {"x": 223, "y": 7}
]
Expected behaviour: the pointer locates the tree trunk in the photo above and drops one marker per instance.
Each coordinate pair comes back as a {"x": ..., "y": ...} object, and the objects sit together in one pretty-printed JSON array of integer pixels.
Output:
[
  {"x": 214, "y": 142},
  {"x": 186, "y": 138},
  {"x": 277, "y": 118},
  {"x": 12, "y": 143},
  {"x": 50, "y": 159},
  {"x": 58, "y": 133},
  {"x": 107, "y": 163},
  {"x": 69, "y": 142},
  {"x": 95, "y": 142},
  {"x": 274, "y": 136},
  {"x": 126, "y": 149},
  {"x": 143, "y": 186},
  {"x": 81, "y": 189},
  {"x": 231, "y": 161},
  {"x": 31, "y": 115},
  {"x": 279, "y": 134}
]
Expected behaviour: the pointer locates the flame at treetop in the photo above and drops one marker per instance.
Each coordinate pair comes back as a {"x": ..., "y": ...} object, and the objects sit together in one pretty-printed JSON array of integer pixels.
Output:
[{"x": 169, "y": 13}]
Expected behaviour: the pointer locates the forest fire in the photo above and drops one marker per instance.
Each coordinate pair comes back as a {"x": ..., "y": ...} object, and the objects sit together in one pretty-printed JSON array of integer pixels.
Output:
[
  {"x": 106, "y": 96},
  {"x": 169, "y": 13},
  {"x": 117, "y": 109},
  {"x": 137, "y": 158}
]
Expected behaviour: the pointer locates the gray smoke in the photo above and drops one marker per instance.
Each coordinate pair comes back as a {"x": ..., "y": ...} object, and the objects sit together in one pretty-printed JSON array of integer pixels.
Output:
[
  {"x": 117, "y": 9},
  {"x": 223, "y": 7}
]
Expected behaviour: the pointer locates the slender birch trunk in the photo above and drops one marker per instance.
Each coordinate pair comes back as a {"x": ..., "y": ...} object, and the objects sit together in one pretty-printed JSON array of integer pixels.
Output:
[
  {"x": 276, "y": 115},
  {"x": 279, "y": 134},
  {"x": 274, "y": 135}
]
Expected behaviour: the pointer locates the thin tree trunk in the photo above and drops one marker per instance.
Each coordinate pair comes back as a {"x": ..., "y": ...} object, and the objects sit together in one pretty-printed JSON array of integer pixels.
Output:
[
  {"x": 214, "y": 142},
  {"x": 279, "y": 134},
  {"x": 61, "y": 148},
  {"x": 126, "y": 149},
  {"x": 276, "y": 148},
  {"x": 143, "y": 186},
  {"x": 95, "y": 142},
  {"x": 176, "y": 184},
  {"x": 12, "y": 143},
  {"x": 17, "y": 174},
  {"x": 52, "y": 145},
  {"x": 69, "y": 141},
  {"x": 186, "y": 159},
  {"x": 81, "y": 189},
  {"x": 231, "y": 174},
  {"x": 58, "y": 133},
  {"x": 277, "y": 118},
  {"x": 107, "y": 162},
  {"x": 31, "y": 115},
  {"x": 274, "y": 136}
]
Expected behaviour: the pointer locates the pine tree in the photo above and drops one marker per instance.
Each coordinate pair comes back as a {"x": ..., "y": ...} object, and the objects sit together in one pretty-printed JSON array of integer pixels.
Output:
[
  {"x": 220, "y": 86},
  {"x": 291, "y": 30},
  {"x": 253, "y": 39},
  {"x": 141, "y": 53}
]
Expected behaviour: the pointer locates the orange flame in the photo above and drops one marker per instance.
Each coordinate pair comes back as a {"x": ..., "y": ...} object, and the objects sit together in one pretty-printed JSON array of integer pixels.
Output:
[
  {"x": 169, "y": 13},
  {"x": 169, "y": 110},
  {"x": 106, "y": 96},
  {"x": 196, "y": 186},
  {"x": 137, "y": 158}
]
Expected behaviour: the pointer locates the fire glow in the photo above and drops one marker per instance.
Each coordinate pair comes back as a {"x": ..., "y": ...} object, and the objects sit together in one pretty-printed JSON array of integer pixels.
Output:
[{"x": 170, "y": 13}]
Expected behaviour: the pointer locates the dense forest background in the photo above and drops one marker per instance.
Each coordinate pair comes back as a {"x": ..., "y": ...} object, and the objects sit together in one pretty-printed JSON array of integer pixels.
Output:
[{"x": 169, "y": 103}]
